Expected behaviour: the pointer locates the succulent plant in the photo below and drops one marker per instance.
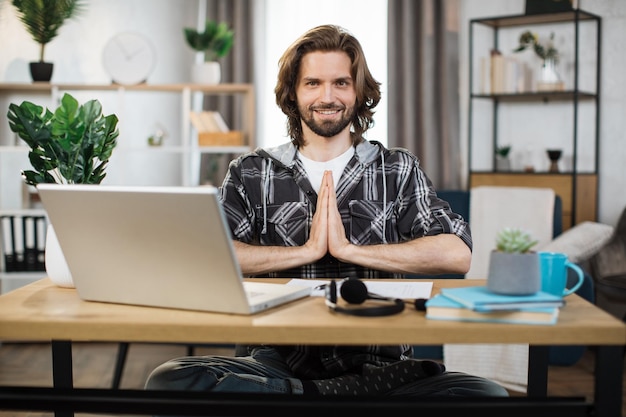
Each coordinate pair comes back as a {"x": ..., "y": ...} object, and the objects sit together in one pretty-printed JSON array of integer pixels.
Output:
[
  {"x": 503, "y": 151},
  {"x": 512, "y": 240}
]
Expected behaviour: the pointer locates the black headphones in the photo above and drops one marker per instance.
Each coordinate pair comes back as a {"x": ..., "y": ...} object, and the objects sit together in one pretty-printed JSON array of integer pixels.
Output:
[{"x": 354, "y": 291}]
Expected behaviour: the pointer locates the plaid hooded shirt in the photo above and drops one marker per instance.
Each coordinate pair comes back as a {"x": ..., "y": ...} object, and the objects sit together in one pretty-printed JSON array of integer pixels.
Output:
[{"x": 383, "y": 196}]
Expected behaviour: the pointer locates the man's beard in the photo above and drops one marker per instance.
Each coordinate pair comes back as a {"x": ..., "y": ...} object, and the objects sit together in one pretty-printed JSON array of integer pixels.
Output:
[{"x": 328, "y": 128}]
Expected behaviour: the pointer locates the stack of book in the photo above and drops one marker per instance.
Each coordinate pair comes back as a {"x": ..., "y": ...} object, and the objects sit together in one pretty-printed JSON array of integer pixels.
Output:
[
  {"x": 479, "y": 304},
  {"x": 213, "y": 130}
]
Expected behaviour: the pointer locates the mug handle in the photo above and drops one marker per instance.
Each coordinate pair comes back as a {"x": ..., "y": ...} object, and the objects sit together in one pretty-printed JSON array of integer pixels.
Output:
[{"x": 581, "y": 278}]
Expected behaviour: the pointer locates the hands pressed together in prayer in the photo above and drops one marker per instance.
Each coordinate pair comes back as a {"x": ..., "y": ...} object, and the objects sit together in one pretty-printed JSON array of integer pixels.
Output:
[{"x": 327, "y": 232}]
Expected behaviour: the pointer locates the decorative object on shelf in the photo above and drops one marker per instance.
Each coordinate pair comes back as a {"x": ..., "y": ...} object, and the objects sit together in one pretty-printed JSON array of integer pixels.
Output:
[
  {"x": 216, "y": 41},
  {"x": 129, "y": 58},
  {"x": 42, "y": 20},
  {"x": 528, "y": 160},
  {"x": 503, "y": 162},
  {"x": 549, "y": 78},
  {"x": 513, "y": 267},
  {"x": 554, "y": 155},
  {"x": 548, "y": 6},
  {"x": 158, "y": 137},
  {"x": 73, "y": 145}
]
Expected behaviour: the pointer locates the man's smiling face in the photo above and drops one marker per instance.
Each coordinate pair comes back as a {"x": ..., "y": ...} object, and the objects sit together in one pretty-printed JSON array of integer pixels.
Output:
[{"x": 325, "y": 92}]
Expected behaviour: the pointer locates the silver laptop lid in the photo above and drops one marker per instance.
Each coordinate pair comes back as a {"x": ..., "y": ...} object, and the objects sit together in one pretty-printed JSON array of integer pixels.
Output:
[{"x": 155, "y": 246}]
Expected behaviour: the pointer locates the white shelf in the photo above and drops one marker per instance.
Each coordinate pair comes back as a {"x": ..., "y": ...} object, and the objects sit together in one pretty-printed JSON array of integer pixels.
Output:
[
  {"x": 175, "y": 162},
  {"x": 223, "y": 149}
]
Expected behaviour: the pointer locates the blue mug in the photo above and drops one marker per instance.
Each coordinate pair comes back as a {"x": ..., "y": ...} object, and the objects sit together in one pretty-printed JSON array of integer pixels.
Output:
[{"x": 554, "y": 266}]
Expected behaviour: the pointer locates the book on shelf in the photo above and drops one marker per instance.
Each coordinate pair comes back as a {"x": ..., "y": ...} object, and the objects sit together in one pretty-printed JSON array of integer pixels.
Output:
[
  {"x": 441, "y": 307},
  {"x": 480, "y": 298},
  {"x": 213, "y": 130},
  {"x": 208, "y": 121},
  {"x": 504, "y": 74}
]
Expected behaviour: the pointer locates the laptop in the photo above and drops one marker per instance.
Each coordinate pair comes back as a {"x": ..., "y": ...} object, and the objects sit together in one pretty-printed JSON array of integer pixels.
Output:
[{"x": 155, "y": 246}]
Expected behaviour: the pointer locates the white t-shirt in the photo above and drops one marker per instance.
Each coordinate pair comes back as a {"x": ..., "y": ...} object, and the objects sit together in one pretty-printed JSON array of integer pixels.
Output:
[{"x": 315, "y": 170}]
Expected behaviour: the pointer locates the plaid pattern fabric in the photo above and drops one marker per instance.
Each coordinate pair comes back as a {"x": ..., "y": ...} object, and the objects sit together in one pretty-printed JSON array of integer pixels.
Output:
[
  {"x": 382, "y": 196},
  {"x": 268, "y": 200}
]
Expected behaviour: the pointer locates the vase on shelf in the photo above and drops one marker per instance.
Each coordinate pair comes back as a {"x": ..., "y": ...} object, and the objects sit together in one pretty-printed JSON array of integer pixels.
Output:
[
  {"x": 209, "y": 73},
  {"x": 503, "y": 163},
  {"x": 41, "y": 71},
  {"x": 549, "y": 78},
  {"x": 554, "y": 155}
]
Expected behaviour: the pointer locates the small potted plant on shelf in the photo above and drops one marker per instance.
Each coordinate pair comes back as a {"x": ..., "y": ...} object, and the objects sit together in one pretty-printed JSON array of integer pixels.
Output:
[
  {"x": 43, "y": 19},
  {"x": 503, "y": 163},
  {"x": 513, "y": 266},
  {"x": 73, "y": 145},
  {"x": 215, "y": 42}
]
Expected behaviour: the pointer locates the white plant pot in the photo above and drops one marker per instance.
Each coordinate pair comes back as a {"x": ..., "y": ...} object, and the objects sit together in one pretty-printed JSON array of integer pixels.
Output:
[
  {"x": 206, "y": 73},
  {"x": 56, "y": 267}
]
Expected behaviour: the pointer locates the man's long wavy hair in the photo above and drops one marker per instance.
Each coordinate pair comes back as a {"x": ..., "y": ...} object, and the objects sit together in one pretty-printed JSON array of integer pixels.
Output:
[{"x": 327, "y": 38}]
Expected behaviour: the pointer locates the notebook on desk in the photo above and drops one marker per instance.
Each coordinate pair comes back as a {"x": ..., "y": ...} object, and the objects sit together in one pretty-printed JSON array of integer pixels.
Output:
[{"x": 155, "y": 246}]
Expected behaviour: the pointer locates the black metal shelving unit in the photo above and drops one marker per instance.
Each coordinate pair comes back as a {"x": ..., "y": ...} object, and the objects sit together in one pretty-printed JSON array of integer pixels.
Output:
[{"x": 574, "y": 95}]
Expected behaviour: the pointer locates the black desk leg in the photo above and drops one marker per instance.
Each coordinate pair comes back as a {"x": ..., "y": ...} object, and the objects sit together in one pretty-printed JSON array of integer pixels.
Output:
[
  {"x": 608, "y": 380},
  {"x": 62, "y": 369},
  {"x": 538, "y": 358}
]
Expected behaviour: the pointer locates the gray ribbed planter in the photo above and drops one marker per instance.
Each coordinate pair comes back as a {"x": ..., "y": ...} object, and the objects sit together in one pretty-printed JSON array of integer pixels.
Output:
[{"x": 514, "y": 273}]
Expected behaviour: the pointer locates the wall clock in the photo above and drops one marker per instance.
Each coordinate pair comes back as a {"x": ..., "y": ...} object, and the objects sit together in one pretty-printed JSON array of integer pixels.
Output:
[{"x": 129, "y": 58}]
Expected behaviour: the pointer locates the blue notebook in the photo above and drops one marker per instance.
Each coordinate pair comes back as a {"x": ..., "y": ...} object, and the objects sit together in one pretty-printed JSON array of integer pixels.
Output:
[
  {"x": 481, "y": 299},
  {"x": 440, "y": 307}
]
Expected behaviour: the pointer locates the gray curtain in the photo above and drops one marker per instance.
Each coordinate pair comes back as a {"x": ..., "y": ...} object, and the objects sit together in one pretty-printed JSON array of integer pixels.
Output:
[
  {"x": 423, "y": 71},
  {"x": 237, "y": 67}
]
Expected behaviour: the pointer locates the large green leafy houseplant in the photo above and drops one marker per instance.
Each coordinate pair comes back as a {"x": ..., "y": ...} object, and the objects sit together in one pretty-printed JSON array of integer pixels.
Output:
[
  {"x": 73, "y": 145},
  {"x": 43, "y": 18}
]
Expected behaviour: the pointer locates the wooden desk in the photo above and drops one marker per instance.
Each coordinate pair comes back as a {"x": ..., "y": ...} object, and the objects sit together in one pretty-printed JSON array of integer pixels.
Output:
[{"x": 43, "y": 312}]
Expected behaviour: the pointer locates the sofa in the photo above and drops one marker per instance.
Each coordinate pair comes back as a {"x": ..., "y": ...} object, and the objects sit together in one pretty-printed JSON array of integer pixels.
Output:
[{"x": 608, "y": 269}]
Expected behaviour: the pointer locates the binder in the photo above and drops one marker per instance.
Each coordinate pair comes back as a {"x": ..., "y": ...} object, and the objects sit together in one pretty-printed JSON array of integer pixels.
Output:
[
  {"x": 8, "y": 243},
  {"x": 23, "y": 242}
]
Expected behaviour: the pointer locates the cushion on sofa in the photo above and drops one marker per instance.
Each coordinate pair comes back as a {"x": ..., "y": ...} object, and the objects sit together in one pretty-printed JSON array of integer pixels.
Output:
[{"x": 580, "y": 242}]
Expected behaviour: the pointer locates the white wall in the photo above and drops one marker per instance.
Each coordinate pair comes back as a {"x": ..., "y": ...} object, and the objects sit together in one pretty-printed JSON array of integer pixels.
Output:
[
  {"x": 522, "y": 126},
  {"x": 77, "y": 51},
  {"x": 77, "y": 56}
]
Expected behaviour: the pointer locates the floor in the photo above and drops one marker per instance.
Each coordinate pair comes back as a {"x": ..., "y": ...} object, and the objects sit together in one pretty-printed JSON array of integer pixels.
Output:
[{"x": 94, "y": 363}]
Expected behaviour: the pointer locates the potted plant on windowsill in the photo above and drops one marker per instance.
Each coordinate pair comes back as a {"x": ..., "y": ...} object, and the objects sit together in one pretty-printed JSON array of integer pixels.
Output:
[
  {"x": 73, "y": 145},
  {"x": 43, "y": 19},
  {"x": 215, "y": 42},
  {"x": 513, "y": 267}
]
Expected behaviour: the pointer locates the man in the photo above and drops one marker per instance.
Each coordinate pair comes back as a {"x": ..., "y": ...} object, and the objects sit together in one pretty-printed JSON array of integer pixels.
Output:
[{"x": 331, "y": 204}]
